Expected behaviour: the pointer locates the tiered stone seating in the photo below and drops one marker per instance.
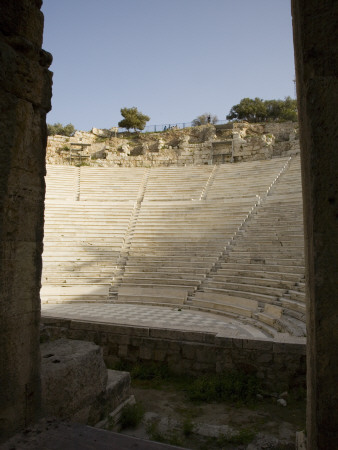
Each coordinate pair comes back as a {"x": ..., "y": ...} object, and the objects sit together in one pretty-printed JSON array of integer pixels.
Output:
[
  {"x": 175, "y": 244},
  {"x": 82, "y": 243},
  {"x": 243, "y": 179},
  {"x": 266, "y": 261},
  {"x": 61, "y": 182},
  {"x": 195, "y": 236},
  {"x": 110, "y": 183},
  {"x": 177, "y": 183}
]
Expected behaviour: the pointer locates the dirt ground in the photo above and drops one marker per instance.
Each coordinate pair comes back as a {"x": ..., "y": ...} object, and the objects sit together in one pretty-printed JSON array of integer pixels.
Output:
[{"x": 170, "y": 417}]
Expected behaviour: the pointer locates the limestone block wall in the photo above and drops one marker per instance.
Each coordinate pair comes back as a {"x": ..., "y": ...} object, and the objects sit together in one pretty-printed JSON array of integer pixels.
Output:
[
  {"x": 25, "y": 93},
  {"x": 278, "y": 364}
]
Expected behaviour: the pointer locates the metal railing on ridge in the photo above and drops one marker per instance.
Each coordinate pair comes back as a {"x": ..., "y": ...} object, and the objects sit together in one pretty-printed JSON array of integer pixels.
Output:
[{"x": 170, "y": 126}]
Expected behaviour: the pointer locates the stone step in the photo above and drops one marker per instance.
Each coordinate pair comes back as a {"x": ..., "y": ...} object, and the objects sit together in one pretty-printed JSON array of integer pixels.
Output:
[
  {"x": 295, "y": 295},
  {"x": 282, "y": 268},
  {"x": 259, "y": 274},
  {"x": 267, "y": 261},
  {"x": 62, "y": 293},
  {"x": 292, "y": 326},
  {"x": 169, "y": 294},
  {"x": 57, "y": 280},
  {"x": 240, "y": 279},
  {"x": 157, "y": 275},
  {"x": 250, "y": 288},
  {"x": 189, "y": 287},
  {"x": 263, "y": 298}
]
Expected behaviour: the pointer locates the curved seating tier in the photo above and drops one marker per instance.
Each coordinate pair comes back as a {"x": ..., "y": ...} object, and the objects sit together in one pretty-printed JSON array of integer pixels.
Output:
[
  {"x": 110, "y": 183},
  {"x": 177, "y": 243},
  {"x": 82, "y": 244},
  {"x": 61, "y": 182},
  {"x": 177, "y": 183},
  {"x": 227, "y": 239},
  {"x": 241, "y": 179},
  {"x": 265, "y": 263}
]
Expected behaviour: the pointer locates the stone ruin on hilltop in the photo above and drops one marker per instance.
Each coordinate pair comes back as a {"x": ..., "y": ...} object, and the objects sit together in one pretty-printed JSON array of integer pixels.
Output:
[{"x": 206, "y": 144}]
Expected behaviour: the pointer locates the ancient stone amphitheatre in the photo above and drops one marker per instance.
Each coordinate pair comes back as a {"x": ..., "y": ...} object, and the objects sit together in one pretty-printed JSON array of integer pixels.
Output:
[{"x": 215, "y": 247}]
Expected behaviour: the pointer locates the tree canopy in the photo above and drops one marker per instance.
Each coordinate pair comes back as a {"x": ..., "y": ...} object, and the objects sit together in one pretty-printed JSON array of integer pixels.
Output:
[
  {"x": 58, "y": 128},
  {"x": 259, "y": 110},
  {"x": 133, "y": 119},
  {"x": 205, "y": 118}
]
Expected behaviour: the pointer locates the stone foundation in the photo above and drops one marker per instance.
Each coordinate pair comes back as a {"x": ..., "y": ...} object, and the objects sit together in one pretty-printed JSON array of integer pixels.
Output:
[{"x": 279, "y": 365}]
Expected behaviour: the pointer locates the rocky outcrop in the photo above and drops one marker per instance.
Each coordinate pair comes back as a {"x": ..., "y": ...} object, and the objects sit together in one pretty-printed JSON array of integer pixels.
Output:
[{"x": 206, "y": 144}]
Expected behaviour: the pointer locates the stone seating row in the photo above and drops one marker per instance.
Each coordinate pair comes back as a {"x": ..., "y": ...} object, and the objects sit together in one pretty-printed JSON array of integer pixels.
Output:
[
  {"x": 254, "y": 175},
  {"x": 104, "y": 184},
  {"x": 170, "y": 183},
  {"x": 61, "y": 182},
  {"x": 179, "y": 245},
  {"x": 174, "y": 183},
  {"x": 174, "y": 244},
  {"x": 266, "y": 262},
  {"x": 82, "y": 244}
]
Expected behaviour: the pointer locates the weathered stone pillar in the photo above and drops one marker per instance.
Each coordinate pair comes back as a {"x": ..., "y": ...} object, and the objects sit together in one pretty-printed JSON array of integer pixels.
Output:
[
  {"x": 25, "y": 93},
  {"x": 315, "y": 41}
]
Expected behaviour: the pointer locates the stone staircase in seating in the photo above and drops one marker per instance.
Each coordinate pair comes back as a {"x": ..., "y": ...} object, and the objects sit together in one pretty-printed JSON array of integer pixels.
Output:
[
  {"x": 263, "y": 267},
  {"x": 176, "y": 243},
  {"x": 124, "y": 254}
]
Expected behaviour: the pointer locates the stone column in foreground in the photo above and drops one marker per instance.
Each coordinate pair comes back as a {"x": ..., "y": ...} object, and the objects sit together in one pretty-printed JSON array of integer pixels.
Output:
[
  {"x": 25, "y": 93},
  {"x": 315, "y": 40}
]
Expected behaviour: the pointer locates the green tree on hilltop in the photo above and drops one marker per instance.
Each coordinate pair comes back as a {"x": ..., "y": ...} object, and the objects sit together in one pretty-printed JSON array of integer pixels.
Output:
[
  {"x": 58, "y": 128},
  {"x": 133, "y": 119},
  {"x": 252, "y": 110},
  {"x": 259, "y": 110}
]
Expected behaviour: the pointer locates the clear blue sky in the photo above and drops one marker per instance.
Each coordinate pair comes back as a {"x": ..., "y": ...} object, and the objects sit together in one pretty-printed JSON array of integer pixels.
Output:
[{"x": 173, "y": 60}]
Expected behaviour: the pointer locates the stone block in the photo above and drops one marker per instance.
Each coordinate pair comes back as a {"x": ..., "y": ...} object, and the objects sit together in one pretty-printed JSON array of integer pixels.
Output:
[
  {"x": 73, "y": 374},
  {"x": 223, "y": 342},
  {"x": 256, "y": 344},
  {"x": 205, "y": 354},
  {"x": 160, "y": 355},
  {"x": 189, "y": 351},
  {"x": 298, "y": 349},
  {"x": 264, "y": 358},
  {"x": 146, "y": 353}
]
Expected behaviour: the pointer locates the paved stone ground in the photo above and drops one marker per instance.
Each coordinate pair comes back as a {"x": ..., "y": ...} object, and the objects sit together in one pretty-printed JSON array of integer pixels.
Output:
[
  {"x": 152, "y": 316},
  {"x": 54, "y": 435}
]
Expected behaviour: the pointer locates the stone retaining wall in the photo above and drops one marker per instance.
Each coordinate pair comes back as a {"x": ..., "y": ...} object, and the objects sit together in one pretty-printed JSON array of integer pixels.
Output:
[{"x": 280, "y": 365}]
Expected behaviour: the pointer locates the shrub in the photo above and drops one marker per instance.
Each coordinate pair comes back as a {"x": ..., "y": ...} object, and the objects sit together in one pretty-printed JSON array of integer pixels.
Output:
[
  {"x": 204, "y": 119},
  {"x": 131, "y": 415}
]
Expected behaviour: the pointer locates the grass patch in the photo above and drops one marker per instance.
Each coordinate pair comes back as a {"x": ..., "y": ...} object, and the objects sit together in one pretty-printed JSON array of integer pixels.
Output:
[
  {"x": 228, "y": 386},
  {"x": 169, "y": 437},
  {"x": 131, "y": 416},
  {"x": 231, "y": 386},
  {"x": 188, "y": 427}
]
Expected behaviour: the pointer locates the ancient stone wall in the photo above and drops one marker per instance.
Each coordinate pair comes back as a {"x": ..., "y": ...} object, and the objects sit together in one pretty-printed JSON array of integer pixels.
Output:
[
  {"x": 279, "y": 365},
  {"x": 25, "y": 94},
  {"x": 191, "y": 146}
]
